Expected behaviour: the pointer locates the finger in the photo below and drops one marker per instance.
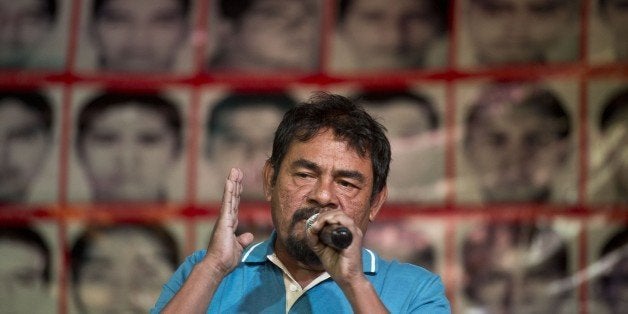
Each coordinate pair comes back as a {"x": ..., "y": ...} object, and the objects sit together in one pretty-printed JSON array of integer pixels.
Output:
[{"x": 245, "y": 239}]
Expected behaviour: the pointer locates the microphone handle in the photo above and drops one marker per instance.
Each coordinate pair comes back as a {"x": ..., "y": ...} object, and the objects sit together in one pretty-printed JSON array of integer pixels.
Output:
[{"x": 336, "y": 236}]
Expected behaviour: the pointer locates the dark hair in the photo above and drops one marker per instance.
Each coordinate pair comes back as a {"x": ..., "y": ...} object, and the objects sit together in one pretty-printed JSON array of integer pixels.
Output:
[
  {"x": 527, "y": 95},
  {"x": 107, "y": 101},
  {"x": 476, "y": 255},
  {"x": 439, "y": 9},
  {"x": 80, "y": 250},
  {"x": 617, "y": 103},
  {"x": 349, "y": 122},
  {"x": 33, "y": 101},
  {"x": 28, "y": 236},
  {"x": 99, "y": 4},
  {"x": 377, "y": 98}
]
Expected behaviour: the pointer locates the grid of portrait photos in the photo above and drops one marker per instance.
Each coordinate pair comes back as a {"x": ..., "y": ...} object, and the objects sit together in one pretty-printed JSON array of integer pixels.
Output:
[{"x": 508, "y": 122}]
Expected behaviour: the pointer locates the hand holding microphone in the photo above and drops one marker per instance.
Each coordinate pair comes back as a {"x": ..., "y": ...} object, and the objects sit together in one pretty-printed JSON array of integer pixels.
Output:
[{"x": 334, "y": 235}]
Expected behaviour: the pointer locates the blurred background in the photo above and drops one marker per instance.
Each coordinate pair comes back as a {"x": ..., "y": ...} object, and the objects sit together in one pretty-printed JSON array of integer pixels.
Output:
[{"x": 508, "y": 120}]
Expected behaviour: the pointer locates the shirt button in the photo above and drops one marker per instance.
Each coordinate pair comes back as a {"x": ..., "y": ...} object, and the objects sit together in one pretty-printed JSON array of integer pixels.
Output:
[{"x": 293, "y": 288}]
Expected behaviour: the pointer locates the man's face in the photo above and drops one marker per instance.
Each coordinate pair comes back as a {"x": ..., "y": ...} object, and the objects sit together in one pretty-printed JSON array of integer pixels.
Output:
[
  {"x": 319, "y": 175},
  {"x": 123, "y": 273},
  {"x": 127, "y": 152},
  {"x": 515, "y": 152},
  {"x": 139, "y": 35},
  {"x": 21, "y": 276},
  {"x": 279, "y": 34},
  {"x": 616, "y": 16},
  {"x": 247, "y": 144},
  {"x": 23, "y": 25},
  {"x": 517, "y": 31},
  {"x": 23, "y": 147},
  {"x": 389, "y": 34}
]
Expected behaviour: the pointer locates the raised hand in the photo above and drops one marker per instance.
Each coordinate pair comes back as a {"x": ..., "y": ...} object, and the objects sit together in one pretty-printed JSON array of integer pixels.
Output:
[{"x": 225, "y": 248}]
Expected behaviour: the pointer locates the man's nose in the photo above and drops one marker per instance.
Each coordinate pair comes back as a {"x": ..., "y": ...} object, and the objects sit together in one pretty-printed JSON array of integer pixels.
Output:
[{"x": 323, "y": 194}]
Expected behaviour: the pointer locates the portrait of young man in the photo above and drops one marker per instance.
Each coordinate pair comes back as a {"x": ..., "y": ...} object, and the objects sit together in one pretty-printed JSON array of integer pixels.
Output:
[
  {"x": 120, "y": 268},
  {"x": 519, "y": 32},
  {"x": 517, "y": 145},
  {"x": 26, "y": 270},
  {"x": 516, "y": 267},
  {"x": 137, "y": 36},
  {"x": 329, "y": 158},
  {"x": 127, "y": 146},
  {"x": 26, "y": 140},
  {"x": 266, "y": 36},
  {"x": 373, "y": 35},
  {"x": 25, "y": 27}
]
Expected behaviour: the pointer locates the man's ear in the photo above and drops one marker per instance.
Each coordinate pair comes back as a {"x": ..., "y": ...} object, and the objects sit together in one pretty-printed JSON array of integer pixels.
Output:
[
  {"x": 268, "y": 173},
  {"x": 377, "y": 202}
]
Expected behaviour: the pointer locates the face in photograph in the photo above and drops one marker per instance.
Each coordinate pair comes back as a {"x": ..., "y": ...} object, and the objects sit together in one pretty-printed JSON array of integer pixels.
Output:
[
  {"x": 139, "y": 35},
  {"x": 241, "y": 129},
  {"x": 121, "y": 269},
  {"x": 614, "y": 130},
  {"x": 517, "y": 141},
  {"x": 127, "y": 145},
  {"x": 25, "y": 140},
  {"x": 409, "y": 119},
  {"x": 24, "y": 25},
  {"x": 512, "y": 268},
  {"x": 391, "y": 34},
  {"x": 25, "y": 271},
  {"x": 614, "y": 14},
  {"x": 518, "y": 31},
  {"x": 612, "y": 286},
  {"x": 268, "y": 35}
]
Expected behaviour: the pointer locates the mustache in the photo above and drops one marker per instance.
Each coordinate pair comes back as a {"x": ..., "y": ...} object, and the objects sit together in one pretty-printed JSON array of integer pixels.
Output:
[{"x": 304, "y": 213}]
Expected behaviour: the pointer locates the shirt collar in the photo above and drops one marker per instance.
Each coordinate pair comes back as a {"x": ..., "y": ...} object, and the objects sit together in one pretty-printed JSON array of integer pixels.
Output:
[{"x": 257, "y": 253}]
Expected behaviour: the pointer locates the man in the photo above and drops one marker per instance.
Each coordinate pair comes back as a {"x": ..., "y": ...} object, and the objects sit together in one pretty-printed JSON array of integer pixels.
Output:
[
  {"x": 614, "y": 14},
  {"x": 515, "y": 268},
  {"x": 412, "y": 123},
  {"x": 506, "y": 32},
  {"x": 240, "y": 132},
  {"x": 25, "y": 271},
  {"x": 140, "y": 35},
  {"x": 120, "y": 268},
  {"x": 329, "y": 157},
  {"x": 24, "y": 25},
  {"x": 127, "y": 144},
  {"x": 516, "y": 142},
  {"x": 25, "y": 140},
  {"x": 390, "y": 35},
  {"x": 267, "y": 35}
]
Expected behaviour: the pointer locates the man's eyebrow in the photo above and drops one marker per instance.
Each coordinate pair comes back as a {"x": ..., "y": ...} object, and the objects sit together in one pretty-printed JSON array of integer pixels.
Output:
[
  {"x": 350, "y": 174},
  {"x": 304, "y": 163}
]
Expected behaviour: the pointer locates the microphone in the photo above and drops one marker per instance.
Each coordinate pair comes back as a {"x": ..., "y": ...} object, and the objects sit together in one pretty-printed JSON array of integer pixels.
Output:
[{"x": 334, "y": 235}]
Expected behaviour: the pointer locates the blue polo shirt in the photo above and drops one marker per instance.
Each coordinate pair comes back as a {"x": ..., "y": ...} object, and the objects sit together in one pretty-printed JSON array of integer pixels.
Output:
[{"x": 256, "y": 285}]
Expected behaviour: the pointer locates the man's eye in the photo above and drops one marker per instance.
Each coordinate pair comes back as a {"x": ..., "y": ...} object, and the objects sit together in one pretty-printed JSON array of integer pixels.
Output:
[{"x": 347, "y": 184}]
